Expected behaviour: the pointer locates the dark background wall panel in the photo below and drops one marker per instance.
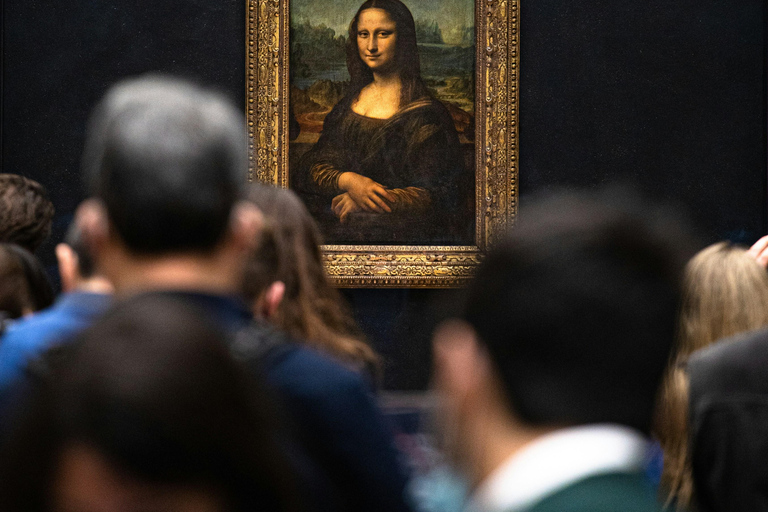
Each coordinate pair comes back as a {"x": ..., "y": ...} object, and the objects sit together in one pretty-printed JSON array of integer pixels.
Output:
[
  {"x": 60, "y": 57},
  {"x": 669, "y": 96}
]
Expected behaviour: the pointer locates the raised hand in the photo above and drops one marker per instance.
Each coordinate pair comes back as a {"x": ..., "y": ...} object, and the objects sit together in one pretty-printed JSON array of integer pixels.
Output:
[
  {"x": 366, "y": 193},
  {"x": 759, "y": 251}
]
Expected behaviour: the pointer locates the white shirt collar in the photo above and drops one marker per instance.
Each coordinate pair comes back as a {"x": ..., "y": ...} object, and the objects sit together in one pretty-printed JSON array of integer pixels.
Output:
[{"x": 557, "y": 460}]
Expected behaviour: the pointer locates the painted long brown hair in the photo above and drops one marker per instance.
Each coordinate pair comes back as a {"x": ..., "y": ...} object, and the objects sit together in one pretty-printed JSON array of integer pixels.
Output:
[
  {"x": 725, "y": 292},
  {"x": 289, "y": 251},
  {"x": 406, "y": 52}
]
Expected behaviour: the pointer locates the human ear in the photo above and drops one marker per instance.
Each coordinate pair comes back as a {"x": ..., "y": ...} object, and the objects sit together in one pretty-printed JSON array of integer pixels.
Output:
[
  {"x": 68, "y": 267},
  {"x": 270, "y": 300},
  {"x": 458, "y": 378},
  {"x": 91, "y": 217},
  {"x": 246, "y": 222},
  {"x": 461, "y": 364}
]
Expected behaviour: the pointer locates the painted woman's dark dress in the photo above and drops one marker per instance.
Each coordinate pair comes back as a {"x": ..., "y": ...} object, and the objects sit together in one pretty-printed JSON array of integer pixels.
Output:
[{"x": 416, "y": 154}]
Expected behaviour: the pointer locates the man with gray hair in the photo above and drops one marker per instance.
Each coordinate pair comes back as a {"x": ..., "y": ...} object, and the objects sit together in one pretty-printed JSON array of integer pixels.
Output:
[{"x": 165, "y": 162}]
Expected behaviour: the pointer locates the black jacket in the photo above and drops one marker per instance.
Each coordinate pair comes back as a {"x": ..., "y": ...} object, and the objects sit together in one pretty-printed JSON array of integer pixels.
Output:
[{"x": 729, "y": 423}]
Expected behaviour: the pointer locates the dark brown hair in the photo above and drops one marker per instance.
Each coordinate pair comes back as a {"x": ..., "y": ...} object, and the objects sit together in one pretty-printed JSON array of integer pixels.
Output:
[
  {"x": 24, "y": 286},
  {"x": 406, "y": 52},
  {"x": 74, "y": 239},
  {"x": 289, "y": 251},
  {"x": 26, "y": 212},
  {"x": 577, "y": 307}
]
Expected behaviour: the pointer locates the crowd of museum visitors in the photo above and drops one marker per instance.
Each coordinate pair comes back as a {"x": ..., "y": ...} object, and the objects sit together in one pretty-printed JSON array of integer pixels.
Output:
[{"x": 198, "y": 359}]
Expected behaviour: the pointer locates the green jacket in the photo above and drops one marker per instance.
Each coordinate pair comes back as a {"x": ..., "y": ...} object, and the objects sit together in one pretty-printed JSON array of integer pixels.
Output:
[{"x": 609, "y": 492}]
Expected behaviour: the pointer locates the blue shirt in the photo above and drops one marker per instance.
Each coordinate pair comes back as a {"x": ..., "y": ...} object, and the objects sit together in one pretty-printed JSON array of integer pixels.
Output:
[{"x": 29, "y": 338}]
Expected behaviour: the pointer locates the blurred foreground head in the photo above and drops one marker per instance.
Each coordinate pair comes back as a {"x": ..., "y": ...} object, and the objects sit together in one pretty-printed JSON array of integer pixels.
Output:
[
  {"x": 165, "y": 160},
  {"x": 577, "y": 308},
  {"x": 571, "y": 319},
  {"x": 146, "y": 411},
  {"x": 26, "y": 212}
]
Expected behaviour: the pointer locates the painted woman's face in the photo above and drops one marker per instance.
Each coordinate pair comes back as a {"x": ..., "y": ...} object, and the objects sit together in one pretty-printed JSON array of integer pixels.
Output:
[{"x": 376, "y": 38}]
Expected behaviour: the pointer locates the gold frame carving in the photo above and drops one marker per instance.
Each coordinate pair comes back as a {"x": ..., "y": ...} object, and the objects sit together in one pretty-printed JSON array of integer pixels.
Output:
[{"x": 496, "y": 147}]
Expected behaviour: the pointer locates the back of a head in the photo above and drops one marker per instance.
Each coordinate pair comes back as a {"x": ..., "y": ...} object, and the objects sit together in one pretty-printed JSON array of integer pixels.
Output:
[
  {"x": 289, "y": 251},
  {"x": 24, "y": 286},
  {"x": 725, "y": 292},
  {"x": 577, "y": 307},
  {"x": 74, "y": 239},
  {"x": 152, "y": 387},
  {"x": 290, "y": 248},
  {"x": 167, "y": 158},
  {"x": 26, "y": 213}
]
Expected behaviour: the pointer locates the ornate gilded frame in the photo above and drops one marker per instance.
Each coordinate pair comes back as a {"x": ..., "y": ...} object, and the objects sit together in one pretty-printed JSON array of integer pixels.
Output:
[{"x": 496, "y": 147}]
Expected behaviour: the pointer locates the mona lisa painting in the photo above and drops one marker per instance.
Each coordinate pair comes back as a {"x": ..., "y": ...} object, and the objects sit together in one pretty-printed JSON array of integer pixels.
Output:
[
  {"x": 370, "y": 110},
  {"x": 388, "y": 165}
]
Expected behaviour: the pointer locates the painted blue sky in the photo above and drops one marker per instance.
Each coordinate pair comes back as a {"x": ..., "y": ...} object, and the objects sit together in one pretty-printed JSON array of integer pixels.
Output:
[{"x": 451, "y": 15}]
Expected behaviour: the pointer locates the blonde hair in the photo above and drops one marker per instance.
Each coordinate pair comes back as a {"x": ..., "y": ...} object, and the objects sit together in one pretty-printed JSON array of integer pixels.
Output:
[{"x": 725, "y": 292}]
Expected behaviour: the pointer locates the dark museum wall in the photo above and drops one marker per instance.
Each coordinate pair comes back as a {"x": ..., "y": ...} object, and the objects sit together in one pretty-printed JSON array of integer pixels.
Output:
[{"x": 669, "y": 97}]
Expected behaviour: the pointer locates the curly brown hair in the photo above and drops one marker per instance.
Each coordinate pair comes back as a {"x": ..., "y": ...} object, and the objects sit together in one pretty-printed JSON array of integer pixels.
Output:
[{"x": 26, "y": 213}]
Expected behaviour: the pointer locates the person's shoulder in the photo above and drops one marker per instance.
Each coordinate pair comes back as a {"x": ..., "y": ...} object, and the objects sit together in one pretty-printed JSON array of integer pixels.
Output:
[
  {"x": 307, "y": 368},
  {"x": 71, "y": 311},
  {"x": 289, "y": 362},
  {"x": 425, "y": 105},
  {"x": 731, "y": 365},
  {"x": 36, "y": 329},
  {"x": 426, "y": 111},
  {"x": 342, "y": 107},
  {"x": 608, "y": 492},
  {"x": 29, "y": 338},
  {"x": 740, "y": 348}
]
